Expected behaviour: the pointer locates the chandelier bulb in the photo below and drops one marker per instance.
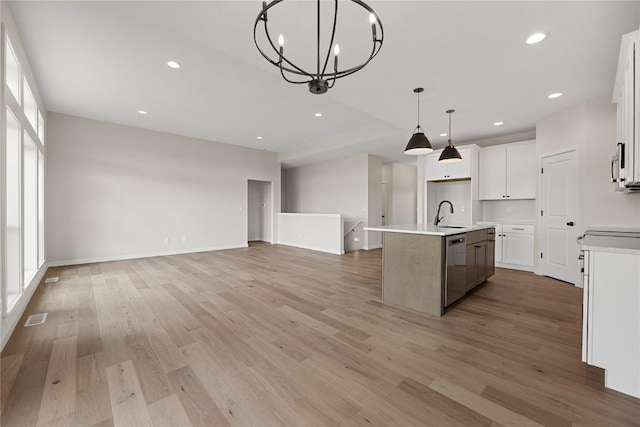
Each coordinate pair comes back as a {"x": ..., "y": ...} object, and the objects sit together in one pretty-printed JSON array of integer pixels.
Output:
[
  {"x": 372, "y": 18},
  {"x": 281, "y": 40},
  {"x": 336, "y": 50}
]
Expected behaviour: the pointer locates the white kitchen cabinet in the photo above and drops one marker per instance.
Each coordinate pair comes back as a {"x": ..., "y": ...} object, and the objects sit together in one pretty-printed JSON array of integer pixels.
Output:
[
  {"x": 514, "y": 246},
  {"x": 435, "y": 171},
  {"x": 611, "y": 315},
  {"x": 508, "y": 172},
  {"x": 626, "y": 95}
]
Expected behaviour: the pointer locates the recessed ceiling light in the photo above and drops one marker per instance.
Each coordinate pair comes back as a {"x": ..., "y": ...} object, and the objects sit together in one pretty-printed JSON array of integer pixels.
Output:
[
  {"x": 443, "y": 134},
  {"x": 258, "y": 137},
  {"x": 173, "y": 64},
  {"x": 142, "y": 112},
  {"x": 555, "y": 95},
  {"x": 498, "y": 123},
  {"x": 536, "y": 38},
  {"x": 318, "y": 114}
]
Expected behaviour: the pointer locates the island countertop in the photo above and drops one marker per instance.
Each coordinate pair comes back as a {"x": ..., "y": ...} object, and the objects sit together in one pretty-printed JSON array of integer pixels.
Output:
[{"x": 428, "y": 229}]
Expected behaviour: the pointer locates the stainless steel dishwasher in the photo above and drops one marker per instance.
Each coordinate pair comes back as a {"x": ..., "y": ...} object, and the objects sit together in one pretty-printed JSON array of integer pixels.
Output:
[{"x": 455, "y": 273}]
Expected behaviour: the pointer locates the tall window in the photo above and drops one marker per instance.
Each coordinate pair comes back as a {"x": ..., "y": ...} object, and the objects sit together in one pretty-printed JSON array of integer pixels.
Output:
[
  {"x": 12, "y": 70},
  {"x": 13, "y": 251},
  {"x": 30, "y": 106},
  {"x": 23, "y": 168},
  {"x": 30, "y": 212}
]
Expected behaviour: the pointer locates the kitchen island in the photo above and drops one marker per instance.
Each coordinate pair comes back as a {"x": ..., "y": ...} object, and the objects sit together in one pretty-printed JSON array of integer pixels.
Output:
[{"x": 427, "y": 268}]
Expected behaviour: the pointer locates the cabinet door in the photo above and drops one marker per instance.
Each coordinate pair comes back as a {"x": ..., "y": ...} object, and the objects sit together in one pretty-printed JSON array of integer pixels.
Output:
[
  {"x": 470, "y": 281},
  {"x": 522, "y": 165},
  {"x": 492, "y": 174},
  {"x": 490, "y": 262},
  {"x": 435, "y": 171},
  {"x": 517, "y": 249},
  {"x": 461, "y": 169},
  {"x": 481, "y": 259}
]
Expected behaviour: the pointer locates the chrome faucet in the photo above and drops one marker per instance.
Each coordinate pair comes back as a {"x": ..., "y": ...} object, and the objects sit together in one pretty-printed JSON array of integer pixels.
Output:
[{"x": 438, "y": 217}]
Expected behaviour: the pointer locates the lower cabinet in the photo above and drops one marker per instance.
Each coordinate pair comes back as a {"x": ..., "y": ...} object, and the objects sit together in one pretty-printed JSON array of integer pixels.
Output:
[
  {"x": 611, "y": 316},
  {"x": 476, "y": 258},
  {"x": 513, "y": 246},
  {"x": 490, "y": 256}
]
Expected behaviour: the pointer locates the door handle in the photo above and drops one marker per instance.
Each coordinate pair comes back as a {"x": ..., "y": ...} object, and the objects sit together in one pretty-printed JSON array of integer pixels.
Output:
[{"x": 570, "y": 223}]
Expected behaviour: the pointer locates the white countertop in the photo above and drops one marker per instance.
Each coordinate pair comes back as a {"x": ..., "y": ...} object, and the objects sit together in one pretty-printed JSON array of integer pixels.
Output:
[
  {"x": 611, "y": 244},
  {"x": 427, "y": 229}
]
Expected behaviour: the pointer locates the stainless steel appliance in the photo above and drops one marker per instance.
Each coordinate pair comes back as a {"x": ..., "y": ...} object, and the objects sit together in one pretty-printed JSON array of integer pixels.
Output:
[{"x": 455, "y": 273}]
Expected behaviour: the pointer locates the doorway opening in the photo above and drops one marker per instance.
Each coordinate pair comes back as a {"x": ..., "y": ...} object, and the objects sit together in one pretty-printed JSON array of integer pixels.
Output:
[{"x": 259, "y": 211}]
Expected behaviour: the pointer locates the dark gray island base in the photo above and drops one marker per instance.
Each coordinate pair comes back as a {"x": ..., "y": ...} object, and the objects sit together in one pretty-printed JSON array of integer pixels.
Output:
[{"x": 427, "y": 268}]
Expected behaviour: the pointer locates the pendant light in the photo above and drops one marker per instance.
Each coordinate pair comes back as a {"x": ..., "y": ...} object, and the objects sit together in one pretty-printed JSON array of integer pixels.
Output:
[
  {"x": 450, "y": 154},
  {"x": 418, "y": 144}
]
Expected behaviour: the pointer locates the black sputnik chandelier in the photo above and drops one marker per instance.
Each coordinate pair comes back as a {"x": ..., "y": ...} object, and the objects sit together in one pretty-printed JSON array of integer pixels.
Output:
[{"x": 321, "y": 79}]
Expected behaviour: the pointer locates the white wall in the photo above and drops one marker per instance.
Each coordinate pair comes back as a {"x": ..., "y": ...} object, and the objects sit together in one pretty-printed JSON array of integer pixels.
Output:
[
  {"x": 458, "y": 193},
  {"x": 259, "y": 211},
  {"x": 319, "y": 232},
  {"x": 373, "y": 239},
  {"x": 118, "y": 192},
  {"x": 401, "y": 185},
  {"x": 404, "y": 194},
  {"x": 339, "y": 186},
  {"x": 591, "y": 128}
]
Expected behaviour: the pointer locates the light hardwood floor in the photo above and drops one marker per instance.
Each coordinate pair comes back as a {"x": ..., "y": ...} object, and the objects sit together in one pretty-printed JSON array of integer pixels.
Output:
[{"x": 272, "y": 335}]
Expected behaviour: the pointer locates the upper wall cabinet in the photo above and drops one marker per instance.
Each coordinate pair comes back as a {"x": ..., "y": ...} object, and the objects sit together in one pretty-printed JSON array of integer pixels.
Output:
[
  {"x": 508, "y": 171},
  {"x": 435, "y": 171},
  {"x": 626, "y": 95}
]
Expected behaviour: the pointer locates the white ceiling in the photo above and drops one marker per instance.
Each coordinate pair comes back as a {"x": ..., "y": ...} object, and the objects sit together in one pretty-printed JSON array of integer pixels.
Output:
[{"x": 107, "y": 60}]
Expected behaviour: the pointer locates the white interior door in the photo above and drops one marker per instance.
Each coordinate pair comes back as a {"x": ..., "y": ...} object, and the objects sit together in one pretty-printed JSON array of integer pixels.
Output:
[{"x": 559, "y": 208}]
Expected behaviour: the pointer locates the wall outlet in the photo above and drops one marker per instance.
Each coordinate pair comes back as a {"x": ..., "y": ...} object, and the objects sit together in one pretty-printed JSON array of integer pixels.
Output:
[
  {"x": 356, "y": 239},
  {"x": 462, "y": 208},
  {"x": 184, "y": 239},
  {"x": 508, "y": 208},
  {"x": 167, "y": 240}
]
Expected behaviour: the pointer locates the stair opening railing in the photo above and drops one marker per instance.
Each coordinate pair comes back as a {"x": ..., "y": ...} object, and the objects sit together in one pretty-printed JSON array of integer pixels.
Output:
[{"x": 353, "y": 228}]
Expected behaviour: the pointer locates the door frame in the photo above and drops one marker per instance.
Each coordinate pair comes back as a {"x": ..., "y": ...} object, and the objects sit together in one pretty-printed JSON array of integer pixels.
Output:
[
  {"x": 272, "y": 210},
  {"x": 577, "y": 281}
]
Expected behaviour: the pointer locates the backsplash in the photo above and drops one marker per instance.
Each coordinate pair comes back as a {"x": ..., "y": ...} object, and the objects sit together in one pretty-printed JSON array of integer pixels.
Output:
[{"x": 509, "y": 210}]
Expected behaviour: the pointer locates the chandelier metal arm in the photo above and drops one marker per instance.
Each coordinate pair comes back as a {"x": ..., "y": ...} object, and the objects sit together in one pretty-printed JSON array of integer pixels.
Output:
[
  {"x": 352, "y": 70},
  {"x": 281, "y": 58},
  {"x": 333, "y": 34},
  {"x": 291, "y": 81},
  {"x": 321, "y": 78}
]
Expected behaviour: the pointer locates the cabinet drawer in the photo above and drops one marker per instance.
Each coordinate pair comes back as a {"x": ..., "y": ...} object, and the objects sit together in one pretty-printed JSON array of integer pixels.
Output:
[
  {"x": 517, "y": 228},
  {"x": 476, "y": 236}
]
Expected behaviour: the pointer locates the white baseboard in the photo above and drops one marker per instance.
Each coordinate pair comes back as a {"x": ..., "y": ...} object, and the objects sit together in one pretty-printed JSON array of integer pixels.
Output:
[
  {"x": 136, "y": 256},
  {"x": 373, "y": 247},
  {"x": 311, "y": 248},
  {"x": 515, "y": 267},
  {"x": 10, "y": 322}
]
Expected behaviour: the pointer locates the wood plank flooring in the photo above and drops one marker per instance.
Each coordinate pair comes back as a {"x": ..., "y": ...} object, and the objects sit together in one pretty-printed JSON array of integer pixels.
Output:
[{"x": 272, "y": 335}]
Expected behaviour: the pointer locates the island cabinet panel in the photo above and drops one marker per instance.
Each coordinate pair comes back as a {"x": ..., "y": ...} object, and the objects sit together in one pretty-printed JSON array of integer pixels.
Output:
[
  {"x": 477, "y": 260},
  {"x": 412, "y": 266}
]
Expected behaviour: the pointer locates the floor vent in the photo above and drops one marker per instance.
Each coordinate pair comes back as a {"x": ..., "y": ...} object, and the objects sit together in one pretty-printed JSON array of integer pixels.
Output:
[
  {"x": 51, "y": 280},
  {"x": 36, "y": 319}
]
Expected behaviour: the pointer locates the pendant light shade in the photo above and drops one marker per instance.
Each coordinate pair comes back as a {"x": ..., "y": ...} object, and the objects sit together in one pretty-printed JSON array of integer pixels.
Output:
[
  {"x": 450, "y": 154},
  {"x": 419, "y": 143}
]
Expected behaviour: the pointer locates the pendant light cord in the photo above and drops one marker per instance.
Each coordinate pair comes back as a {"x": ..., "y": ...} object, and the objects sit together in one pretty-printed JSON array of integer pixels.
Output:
[
  {"x": 418, "y": 110},
  {"x": 449, "y": 128}
]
